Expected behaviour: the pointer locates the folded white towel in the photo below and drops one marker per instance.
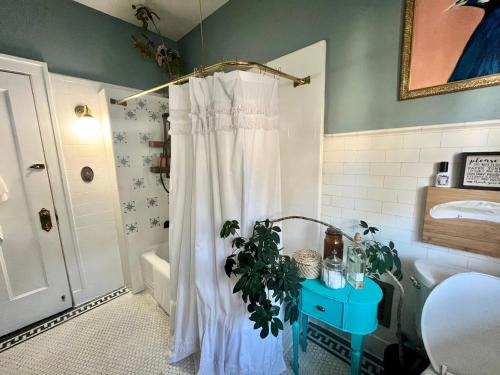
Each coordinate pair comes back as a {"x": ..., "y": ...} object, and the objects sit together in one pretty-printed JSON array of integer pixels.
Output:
[{"x": 4, "y": 192}]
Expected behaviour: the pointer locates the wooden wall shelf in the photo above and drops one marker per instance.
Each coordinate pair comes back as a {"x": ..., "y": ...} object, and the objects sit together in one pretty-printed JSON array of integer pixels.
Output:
[
  {"x": 156, "y": 144},
  {"x": 160, "y": 170},
  {"x": 476, "y": 236}
]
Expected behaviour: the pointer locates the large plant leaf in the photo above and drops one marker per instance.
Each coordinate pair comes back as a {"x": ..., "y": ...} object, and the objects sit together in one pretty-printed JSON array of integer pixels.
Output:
[
  {"x": 228, "y": 267},
  {"x": 274, "y": 329},
  {"x": 265, "y": 330},
  {"x": 229, "y": 228},
  {"x": 238, "y": 242}
]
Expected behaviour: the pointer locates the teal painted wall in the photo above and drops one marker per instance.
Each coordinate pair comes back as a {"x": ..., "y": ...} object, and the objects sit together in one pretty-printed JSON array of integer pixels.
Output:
[
  {"x": 363, "y": 51},
  {"x": 76, "y": 40}
]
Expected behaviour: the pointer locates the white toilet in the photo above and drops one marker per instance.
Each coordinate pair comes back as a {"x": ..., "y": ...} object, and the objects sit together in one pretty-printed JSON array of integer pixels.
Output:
[{"x": 458, "y": 319}]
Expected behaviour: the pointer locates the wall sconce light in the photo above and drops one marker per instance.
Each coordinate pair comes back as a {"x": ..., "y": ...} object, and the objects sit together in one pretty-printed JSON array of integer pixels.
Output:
[{"x": 87, "y": 124}]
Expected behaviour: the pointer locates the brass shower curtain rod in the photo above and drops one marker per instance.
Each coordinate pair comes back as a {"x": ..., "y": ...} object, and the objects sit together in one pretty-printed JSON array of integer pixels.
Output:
[{"x": 213, "y": 68}]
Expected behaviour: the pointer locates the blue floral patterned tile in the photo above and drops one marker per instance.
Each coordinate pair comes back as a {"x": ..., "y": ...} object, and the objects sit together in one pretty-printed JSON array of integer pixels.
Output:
[
  {"x": 144, "y": 137},
  {"x": 131, "y": 228},
  {"x": 123, "y": 161},
  {"x": 119, "y": 137},
  {"x": 152, "y": 202},
  {"x": 147, "y": 160},
  {"x": 128, "y": 206},
  {"x": 154, "y": 222},
  {"x": 138, "y": 183},
  {"x": 154, "y": 117},
  {"x": 141, "y": 104},
  {"x": 129, "y": 114},
  {"x": 163, "y": 107}
]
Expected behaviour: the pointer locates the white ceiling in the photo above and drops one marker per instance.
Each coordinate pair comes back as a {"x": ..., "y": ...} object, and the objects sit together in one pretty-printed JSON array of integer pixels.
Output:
[{"x": 177, "y": 17}]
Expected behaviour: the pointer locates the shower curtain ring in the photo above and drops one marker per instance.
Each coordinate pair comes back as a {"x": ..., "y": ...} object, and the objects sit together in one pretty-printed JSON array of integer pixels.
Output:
[{"x": 277, "y": 77}]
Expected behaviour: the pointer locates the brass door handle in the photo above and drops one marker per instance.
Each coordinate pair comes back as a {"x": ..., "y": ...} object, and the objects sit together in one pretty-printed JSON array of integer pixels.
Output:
[
  {"x": 45, "y": 219},
  {"x": 38, "y": 166}
]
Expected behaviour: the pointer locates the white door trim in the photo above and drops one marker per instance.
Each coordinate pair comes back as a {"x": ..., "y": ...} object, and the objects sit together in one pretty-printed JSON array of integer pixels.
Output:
[{"x": 44, "y": 104}]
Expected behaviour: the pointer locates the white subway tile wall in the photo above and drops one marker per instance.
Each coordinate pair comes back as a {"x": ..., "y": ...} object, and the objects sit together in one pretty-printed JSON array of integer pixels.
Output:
[
  {"x": 381, "y": 177},
  {"x": 93, "y": 264}
]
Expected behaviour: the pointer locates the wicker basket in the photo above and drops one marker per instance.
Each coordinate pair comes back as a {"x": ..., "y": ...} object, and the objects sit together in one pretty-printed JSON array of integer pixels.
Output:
[{"x": 309, "y": 262}]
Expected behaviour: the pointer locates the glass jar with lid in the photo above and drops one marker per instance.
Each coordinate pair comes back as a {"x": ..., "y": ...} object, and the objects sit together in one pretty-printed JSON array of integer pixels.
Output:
[
  {"x": 333, "y": 243},
  {"x": 333, "y": 274}
]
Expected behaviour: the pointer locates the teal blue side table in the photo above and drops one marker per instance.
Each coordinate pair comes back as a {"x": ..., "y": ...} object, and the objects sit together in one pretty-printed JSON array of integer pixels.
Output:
[{"x": 350, "y": 310}]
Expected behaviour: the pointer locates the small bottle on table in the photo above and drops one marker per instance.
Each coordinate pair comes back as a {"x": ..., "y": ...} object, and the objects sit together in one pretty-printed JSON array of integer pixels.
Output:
[{"x": 356, "y": 263}]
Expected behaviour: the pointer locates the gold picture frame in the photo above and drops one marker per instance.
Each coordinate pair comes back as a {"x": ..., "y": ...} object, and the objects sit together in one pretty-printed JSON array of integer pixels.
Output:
[{"x": 406, "y": 54}]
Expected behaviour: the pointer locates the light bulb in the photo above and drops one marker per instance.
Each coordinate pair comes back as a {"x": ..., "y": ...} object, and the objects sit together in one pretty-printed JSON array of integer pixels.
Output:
[{"x": 86, "y": 126}]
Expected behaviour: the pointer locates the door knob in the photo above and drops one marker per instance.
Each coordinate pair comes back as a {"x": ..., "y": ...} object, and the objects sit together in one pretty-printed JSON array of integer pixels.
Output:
[{"x": 37, "y": 166}]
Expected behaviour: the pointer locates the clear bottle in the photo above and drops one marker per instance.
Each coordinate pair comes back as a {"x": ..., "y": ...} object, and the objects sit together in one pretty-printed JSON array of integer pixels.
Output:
[{"x": 356, "y": 263}]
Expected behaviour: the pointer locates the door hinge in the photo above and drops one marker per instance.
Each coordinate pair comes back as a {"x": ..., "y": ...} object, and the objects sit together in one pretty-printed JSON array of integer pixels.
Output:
[{"x": 57, "y": 216}]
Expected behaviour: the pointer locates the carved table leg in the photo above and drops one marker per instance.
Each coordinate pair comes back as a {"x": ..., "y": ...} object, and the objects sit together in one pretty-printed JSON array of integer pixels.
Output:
[
  {"x": 356, "y": 353},
  {"x": 296, "y": 329},
  {"x": 305, "y": 320}
]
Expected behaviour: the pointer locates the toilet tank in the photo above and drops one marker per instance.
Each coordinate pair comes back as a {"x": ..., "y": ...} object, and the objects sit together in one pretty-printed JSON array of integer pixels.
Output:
[{"x": 427, "y": 276}]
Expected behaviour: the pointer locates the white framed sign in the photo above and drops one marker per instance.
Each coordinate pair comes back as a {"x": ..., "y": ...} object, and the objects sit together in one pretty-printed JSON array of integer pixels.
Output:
[{"x": 480, "y": 170}]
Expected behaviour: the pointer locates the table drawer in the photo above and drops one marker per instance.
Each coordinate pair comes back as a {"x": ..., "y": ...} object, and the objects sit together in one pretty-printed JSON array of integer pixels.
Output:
[{"x": 325, "y": 309}]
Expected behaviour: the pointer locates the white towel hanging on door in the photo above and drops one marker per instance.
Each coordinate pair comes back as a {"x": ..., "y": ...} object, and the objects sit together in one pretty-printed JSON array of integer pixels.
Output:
[{"x": 4, "y": 192}]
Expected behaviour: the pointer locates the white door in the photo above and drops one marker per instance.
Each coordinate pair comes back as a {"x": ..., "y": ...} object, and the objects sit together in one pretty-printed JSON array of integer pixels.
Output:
[{"x": 33, "y": 280}]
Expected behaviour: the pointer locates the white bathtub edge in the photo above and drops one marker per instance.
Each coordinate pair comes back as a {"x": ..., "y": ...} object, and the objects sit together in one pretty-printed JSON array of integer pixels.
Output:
[{"x": 156, "y": 276}]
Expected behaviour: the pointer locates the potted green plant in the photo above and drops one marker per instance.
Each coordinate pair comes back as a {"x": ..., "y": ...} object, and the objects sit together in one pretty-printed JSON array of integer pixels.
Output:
[{"x": 267, "y": 279}]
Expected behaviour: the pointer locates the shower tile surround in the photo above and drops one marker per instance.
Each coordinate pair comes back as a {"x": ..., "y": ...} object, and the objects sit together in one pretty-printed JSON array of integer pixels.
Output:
[
  {"x": 380, "y": 177},
  {"x": 143, "y": 201},
  {"x": 105, "y": 210}
]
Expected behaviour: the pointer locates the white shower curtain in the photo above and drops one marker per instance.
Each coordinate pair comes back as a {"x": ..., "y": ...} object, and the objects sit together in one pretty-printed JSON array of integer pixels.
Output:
[{"x": 225, "y": 165}]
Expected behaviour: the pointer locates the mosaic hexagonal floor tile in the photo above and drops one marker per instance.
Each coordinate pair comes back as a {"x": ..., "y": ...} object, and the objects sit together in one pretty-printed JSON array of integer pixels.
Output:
[{"x": 123, "y": 333}]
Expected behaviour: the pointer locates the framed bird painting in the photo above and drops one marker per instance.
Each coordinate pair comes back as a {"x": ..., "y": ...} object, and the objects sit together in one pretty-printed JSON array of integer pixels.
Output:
[{"x": 449, "y": 45}]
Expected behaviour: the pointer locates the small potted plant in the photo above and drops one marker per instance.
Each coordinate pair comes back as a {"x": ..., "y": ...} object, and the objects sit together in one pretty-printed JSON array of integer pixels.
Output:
[{"x": 168, "y": 59}]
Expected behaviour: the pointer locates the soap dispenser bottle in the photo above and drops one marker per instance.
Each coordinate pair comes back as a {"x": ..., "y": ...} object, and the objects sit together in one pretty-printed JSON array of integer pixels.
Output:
[
  {"x": 443, "y": 176},
  {"x": 356, "y": 263}
]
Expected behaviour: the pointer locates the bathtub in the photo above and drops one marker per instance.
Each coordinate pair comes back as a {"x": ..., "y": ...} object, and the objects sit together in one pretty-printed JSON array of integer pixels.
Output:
[{"x": 156, "y": 276}]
